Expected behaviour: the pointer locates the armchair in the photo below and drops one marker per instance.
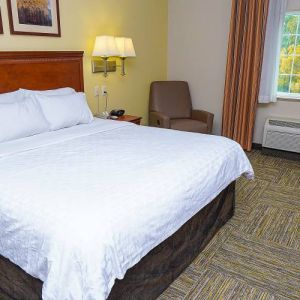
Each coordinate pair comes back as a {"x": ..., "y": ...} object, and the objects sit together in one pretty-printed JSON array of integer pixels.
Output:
[{"x": 170, "y": 107}]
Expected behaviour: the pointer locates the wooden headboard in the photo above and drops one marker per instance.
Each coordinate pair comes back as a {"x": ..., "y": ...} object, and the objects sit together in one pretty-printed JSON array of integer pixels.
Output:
[{"x": 41, "y": 70}]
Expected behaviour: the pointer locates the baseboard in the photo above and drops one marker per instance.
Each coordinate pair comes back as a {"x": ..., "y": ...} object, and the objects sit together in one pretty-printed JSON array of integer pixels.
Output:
[
  {"x": 256, "y": 146},
  {"x": 280, "y": 153}
]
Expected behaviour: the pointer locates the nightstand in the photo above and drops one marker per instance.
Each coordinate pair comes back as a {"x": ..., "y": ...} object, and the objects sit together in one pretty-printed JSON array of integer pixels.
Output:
[{"x": 131, "y": 119}]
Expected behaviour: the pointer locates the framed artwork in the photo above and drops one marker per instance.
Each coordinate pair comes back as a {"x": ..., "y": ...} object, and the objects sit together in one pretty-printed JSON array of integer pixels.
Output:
[
  {"x": 34, "y": 17},
  {"x": 1, "y": 25}
]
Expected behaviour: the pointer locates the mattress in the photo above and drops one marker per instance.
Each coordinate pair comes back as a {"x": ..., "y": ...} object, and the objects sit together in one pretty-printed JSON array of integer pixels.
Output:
[{"x": 80, "y": 206}]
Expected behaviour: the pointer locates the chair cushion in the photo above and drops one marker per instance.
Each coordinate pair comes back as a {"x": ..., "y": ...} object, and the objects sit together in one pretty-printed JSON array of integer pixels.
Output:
[
  {"x": 189, "y": 125},
  {"x": 171, "y": 98}
]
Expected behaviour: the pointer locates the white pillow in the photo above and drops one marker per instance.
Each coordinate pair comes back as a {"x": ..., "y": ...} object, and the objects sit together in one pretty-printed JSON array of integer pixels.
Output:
[
  {"x": 21, "y": 119},
  {"x": 55, "y": 92},
  {"x": 12, "y": 97},
  {"x": 65, "y": 111}
]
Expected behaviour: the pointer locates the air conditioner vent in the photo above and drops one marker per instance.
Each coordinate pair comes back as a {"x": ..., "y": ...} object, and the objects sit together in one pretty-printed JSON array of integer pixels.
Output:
[
  {"x": 282, "y": 134},
  {"x": 281, "y": 123}
]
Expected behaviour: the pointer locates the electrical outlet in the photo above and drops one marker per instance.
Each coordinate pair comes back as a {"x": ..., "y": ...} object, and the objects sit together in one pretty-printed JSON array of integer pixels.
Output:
[
  {"x": 104, "y": 90},
  {"x": 96, "y": 91}
]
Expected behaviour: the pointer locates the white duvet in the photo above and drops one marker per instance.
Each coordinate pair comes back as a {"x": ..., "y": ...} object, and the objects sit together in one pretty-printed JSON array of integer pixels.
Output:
[{"x": 80, "y": 206}]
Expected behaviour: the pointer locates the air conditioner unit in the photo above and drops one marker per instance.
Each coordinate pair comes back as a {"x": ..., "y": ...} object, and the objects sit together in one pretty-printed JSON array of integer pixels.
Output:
[{"x": 282, "y": 134}]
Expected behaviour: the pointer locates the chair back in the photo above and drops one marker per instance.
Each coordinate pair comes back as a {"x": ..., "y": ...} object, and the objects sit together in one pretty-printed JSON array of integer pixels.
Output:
[{"x": 171, "y": 98}]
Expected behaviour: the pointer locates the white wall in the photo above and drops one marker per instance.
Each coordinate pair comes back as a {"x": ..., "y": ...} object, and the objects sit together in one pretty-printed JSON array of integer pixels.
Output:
[
  {"x": 293, "y": 5},
  {"x": 198, "y": 40},
  {"x": 198, "y": 37}
]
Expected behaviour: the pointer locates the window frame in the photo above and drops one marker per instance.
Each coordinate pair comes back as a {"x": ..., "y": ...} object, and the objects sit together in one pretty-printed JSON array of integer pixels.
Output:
[{"x": 284, "y": 95}]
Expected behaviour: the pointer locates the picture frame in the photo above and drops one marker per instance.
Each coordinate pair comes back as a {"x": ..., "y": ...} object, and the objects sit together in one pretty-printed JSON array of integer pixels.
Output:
[
  {"x": 34, "y": 17},
  {"x": 1, "y": 24}
]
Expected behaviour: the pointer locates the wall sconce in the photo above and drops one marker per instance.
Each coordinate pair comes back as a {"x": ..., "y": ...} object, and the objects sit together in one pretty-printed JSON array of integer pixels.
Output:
[
  {"x": 109, "y": 46},
  {"x": 126, "y": 49},
  {"x": 105, "y": 47}
]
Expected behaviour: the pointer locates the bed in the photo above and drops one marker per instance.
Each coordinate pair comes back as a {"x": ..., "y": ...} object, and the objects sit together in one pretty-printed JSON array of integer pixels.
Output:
[{"x": 83, "y": 218}]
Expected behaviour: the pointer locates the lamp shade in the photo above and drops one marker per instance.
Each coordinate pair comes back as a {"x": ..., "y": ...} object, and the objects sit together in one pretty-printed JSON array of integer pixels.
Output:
[
  {"x": 125, "y": 47},
  {"x": 105, "y": 46}
]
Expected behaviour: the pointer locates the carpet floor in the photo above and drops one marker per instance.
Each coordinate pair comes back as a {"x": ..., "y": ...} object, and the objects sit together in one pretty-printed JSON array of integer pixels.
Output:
[{"x": 256, "y": 255}]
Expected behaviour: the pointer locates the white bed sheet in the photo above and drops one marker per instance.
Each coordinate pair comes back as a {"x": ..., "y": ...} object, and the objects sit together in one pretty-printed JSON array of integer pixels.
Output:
[{"x": 80, "y": 206}]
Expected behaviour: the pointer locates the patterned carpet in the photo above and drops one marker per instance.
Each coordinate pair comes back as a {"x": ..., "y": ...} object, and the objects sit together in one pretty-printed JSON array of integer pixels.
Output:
[{"x": 256, "y": 255}]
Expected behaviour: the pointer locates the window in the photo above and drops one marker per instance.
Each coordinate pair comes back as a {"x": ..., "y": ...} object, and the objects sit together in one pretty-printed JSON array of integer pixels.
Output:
[{"x": 289, "y": 68}]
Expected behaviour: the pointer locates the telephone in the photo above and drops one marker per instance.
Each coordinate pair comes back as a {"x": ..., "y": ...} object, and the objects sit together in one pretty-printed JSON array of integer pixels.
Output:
[{"x": 117, "y": 112}]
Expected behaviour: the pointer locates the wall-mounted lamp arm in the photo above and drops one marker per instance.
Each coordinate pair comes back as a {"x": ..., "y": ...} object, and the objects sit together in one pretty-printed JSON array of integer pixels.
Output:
[
  {"x": 105, "y": 66},
  {"x": 123, "y": 72}
]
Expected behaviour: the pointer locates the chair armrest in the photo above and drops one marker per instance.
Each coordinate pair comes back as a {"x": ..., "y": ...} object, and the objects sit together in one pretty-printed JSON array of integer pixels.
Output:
[
  {"x": 204, "y": 116},
  {"x": 157, "y": 119}
]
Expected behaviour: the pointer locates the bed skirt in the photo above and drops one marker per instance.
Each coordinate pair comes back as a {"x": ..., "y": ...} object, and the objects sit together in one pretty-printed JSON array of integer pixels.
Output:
[{"x": 155, "y": 272}]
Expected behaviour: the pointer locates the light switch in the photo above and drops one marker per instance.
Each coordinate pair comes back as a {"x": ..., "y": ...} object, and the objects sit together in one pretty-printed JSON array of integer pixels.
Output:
[{"x": 96, "y": 91}]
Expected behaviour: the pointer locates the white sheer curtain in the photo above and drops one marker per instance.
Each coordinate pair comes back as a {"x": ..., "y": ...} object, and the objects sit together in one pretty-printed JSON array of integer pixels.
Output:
[{"x": 269, "y": 76}]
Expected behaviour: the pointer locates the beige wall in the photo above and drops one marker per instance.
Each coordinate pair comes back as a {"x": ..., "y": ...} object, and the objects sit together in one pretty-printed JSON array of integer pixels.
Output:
[
  {"x": 198, "y": 39},
  {"x": 145, "y": 21}
]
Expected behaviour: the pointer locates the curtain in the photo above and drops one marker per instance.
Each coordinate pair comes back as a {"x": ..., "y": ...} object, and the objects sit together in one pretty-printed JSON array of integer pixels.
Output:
[
  {"x": 270, "y": 68},
  {"x": 243, "y": 71}
]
